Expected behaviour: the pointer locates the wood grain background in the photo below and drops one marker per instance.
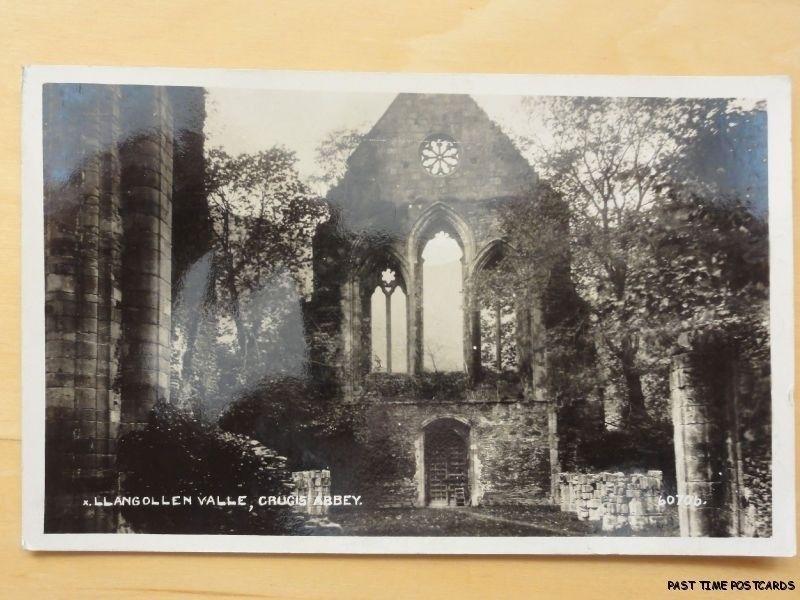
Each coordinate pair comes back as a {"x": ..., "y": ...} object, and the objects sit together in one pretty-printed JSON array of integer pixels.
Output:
[{"x": 687, "y": 37}]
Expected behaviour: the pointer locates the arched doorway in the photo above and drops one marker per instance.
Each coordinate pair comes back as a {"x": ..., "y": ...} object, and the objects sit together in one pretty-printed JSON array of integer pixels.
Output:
[{"x": 446, "y": 459}]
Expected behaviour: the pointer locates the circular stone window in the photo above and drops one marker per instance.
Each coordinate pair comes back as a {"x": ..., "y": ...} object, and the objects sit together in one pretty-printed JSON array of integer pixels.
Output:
[{"x": 439, "y": 154}]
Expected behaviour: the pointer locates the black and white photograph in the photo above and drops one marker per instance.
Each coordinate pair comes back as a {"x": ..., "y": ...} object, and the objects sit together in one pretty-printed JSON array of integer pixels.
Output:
[{"x": 307, "y": 312}]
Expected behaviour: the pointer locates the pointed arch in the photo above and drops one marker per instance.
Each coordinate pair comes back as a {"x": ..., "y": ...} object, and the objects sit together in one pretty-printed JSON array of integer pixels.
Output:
[
  {"x": 441, "y": 217},
  {"x": 433, "y": 348},
  {"x": 494, "y": 249},
  {"x": 382, "y": 327},
  {"x": 371, "y": 258},
  {"x": 495, "y": 317}
]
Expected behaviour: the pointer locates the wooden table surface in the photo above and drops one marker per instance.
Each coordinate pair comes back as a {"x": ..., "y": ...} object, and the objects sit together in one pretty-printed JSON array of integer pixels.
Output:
[{"x": 658, "y": 37}]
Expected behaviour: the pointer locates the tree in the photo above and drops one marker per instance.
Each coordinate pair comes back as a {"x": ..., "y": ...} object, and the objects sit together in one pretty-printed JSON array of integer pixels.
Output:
[
  {"x": 332, "y": 154},
  {"x": 700, "y": 285},
  {"x": 258, "y": 270},
  {"x": 702, "y": 272},
  {"x": 612, "y": 159}
]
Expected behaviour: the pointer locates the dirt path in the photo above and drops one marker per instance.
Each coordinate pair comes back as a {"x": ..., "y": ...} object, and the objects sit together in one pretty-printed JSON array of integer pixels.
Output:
[
  {"x": 531, "y": 521},
  {"x": 515, "y": 523}
]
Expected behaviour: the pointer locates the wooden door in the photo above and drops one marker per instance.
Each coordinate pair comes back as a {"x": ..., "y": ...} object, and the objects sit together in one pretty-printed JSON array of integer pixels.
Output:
[{"x": 446, "y": 469}]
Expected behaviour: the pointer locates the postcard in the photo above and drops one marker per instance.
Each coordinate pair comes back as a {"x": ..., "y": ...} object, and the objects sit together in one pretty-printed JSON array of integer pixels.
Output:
[{"x": 307, "y": 312}]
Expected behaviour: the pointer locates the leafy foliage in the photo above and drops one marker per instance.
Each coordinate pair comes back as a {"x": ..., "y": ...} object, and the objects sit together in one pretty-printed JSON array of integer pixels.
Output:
[
  {"x": 535, "y": 269},
  {"x": 333, "y": 152},
  {"x": 613, "y": 160},
  {"x": 427, "y": 385},
  {"x": 704, "y": 270},
  {"x": 496, "y": 295},
  {"x": 175, "y": 454},
  {"x": 633, "y": 267},
  {"x": 302, "y": 420},
  {"x": 246, "y": 321}
]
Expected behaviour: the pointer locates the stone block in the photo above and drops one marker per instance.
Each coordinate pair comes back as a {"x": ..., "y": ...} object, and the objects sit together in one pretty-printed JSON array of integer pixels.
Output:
[{"x": 60, "y": 397}]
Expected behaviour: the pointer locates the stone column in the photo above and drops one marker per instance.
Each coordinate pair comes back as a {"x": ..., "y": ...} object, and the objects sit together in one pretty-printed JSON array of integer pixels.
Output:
[
  {"x": 108, "y": 216},
  {"x": 416, "y": 337},
  {"x": 523, "y": 339},
  {"x": 476, "y": 369},
  {"x": 388, "y": 321},
  {"x": 146, "y": 158},
  {"x": 82, "y": 239},
  {"x": 701, "y": 411},
  {"x": 411, "y": 323},
  {"x": 467, "y": 302},
  {"x": 472, "y": 327},
  {"x": 538, "y": 344},
  {"x": 351, "y": 336},
  {"x": 61, "y": 210},
  {"x": 109, "y": 317},
  {"x": 538, "y": 392}
]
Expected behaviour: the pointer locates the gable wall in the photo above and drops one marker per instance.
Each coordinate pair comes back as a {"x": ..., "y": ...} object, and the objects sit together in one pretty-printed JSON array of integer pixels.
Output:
[{"x": 385, "y": 183}]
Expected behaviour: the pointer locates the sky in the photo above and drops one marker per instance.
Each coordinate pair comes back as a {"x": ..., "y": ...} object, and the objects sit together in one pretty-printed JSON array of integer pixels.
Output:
[
  {"x": 242, "y": 120},
  {"x": 251, "y": 120}
]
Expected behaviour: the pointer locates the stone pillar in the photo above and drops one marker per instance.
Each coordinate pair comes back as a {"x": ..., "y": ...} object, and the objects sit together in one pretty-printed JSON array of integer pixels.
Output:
[
  {"x": 416, "y": 338},
  {"x": 362, "y": 322},
  {"x": 108, "y": 216},
  {"x": 538, "y": 392},
  {"x": 146, "y": 260},
  {"x": 472, "y": 327},
  {"x": 704, "y": 435},
  {"x": 523, "y": 339},
  {"x": 351, "y": 336},
  {"x": 109, "y": 317},
  {"x": 411, "y": 315},
  {"x": 388, "y": 321},
  {"x": 538, "y": 345},
  {"x": 64, "y": 155},
  {"x": 476, "y": 370},
  {"x": 82, "y": 240},
  {"x": 467, "y": 302}
]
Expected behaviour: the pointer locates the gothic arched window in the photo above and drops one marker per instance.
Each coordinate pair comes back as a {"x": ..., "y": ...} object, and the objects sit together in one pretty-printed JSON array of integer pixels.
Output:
[
  {"x": 388, "y": 333},
  {"x": 497, "y": 327},
  {"x": 442, "y": 303}
]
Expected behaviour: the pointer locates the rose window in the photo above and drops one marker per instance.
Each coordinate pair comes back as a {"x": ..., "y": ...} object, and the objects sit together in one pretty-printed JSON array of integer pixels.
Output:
[{"x": 439, "y": 155}]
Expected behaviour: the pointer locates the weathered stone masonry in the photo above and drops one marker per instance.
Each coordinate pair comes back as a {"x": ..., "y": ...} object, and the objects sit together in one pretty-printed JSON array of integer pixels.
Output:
[
  {"x": 146, "y": 276},
  {"x": 704, "y": 400},
  {"x": 108, "y": 222},
  {"x": 507, "y": 447},
  {"x": 389, "y": 202}
]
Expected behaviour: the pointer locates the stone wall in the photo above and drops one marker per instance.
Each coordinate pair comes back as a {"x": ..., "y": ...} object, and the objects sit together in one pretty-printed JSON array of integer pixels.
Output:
[
  {"x": 386, "y": 207},
  {"x": 83, "y": 241},
  {"x": 310, "y": 485},
  {"x": 509, "y": 452},
  {"x": 108, "y": 221},
  {"x": 385, "y": 182},
  {"x": 614, "y": 500}
]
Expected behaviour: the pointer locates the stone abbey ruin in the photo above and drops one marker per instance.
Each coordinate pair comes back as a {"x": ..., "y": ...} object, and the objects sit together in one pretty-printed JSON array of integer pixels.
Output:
[{"x": 454, "y": 405}]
